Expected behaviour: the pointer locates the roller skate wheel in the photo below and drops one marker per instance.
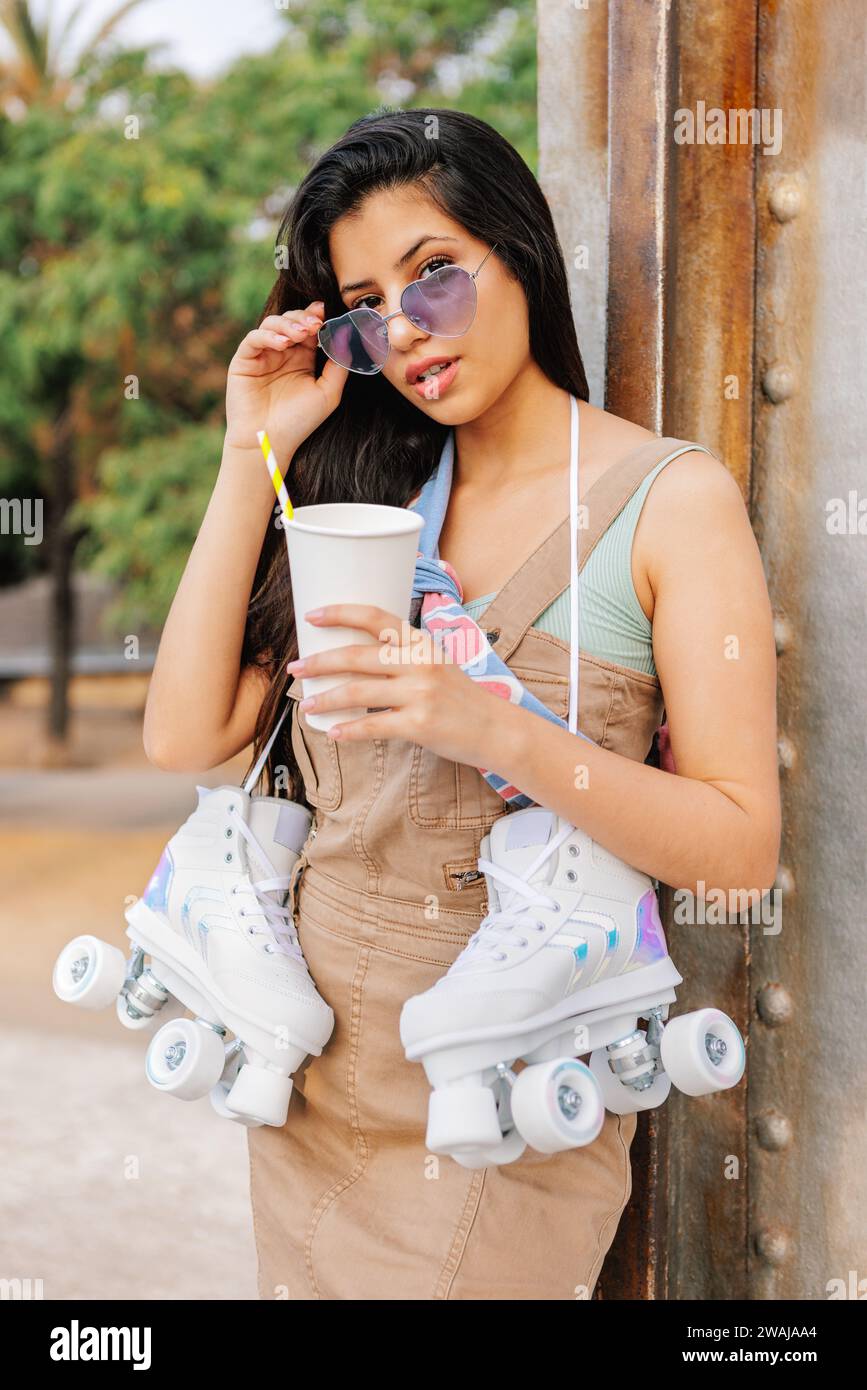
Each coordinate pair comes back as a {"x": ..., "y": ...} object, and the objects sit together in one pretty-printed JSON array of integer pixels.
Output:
[
  {"x": 185, "y": 1059},
  {"x": 702, "y": 1052},
  {"x": 89, "y": 973},
  {"x": 557, "y": 1105},
  {"x": 621, "y": 1099},
  {"x": 259, "y": 1096},
  {"x": 462, "y": 1119}
]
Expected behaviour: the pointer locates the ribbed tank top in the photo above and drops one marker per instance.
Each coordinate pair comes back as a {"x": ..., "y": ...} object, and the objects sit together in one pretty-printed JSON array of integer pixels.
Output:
[{"x": 611, "y": 621}]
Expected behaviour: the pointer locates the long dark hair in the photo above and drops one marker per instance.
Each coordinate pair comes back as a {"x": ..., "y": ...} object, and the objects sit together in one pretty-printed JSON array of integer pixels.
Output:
[{"x": 376, "y": 446}]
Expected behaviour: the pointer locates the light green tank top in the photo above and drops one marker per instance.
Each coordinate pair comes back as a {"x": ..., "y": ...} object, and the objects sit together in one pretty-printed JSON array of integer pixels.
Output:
[{"x": 611, "y": 621}]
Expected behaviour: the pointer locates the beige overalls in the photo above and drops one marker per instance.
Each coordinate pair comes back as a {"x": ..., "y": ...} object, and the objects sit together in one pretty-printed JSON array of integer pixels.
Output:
[{"x": 347, "y": 1202}]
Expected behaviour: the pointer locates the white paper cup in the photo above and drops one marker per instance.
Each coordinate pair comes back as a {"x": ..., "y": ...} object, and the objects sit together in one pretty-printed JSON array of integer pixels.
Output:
[{"x": 348, "y": 552}]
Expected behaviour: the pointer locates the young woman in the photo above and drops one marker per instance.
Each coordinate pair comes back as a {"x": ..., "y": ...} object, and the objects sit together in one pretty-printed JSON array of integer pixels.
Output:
[{"x": 347, "y": 1202}]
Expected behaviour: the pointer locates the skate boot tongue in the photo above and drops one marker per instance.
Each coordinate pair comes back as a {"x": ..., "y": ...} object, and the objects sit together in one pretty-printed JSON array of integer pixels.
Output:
[
  {"x": 281, "y": 828},
  {"x": 268, "y": 829},
  {"x": 515, "y": 843},
  {"x": 517, "y": 839}
]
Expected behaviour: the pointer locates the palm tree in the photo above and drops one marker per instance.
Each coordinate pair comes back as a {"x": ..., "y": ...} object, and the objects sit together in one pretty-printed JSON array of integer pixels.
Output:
[{"x": 45, "y": 61}]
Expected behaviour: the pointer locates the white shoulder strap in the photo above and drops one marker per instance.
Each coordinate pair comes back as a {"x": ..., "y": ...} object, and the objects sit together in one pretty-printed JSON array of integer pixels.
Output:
[
  {"x": 263, "y": 756},
  {"x": 573, "y": 571}
]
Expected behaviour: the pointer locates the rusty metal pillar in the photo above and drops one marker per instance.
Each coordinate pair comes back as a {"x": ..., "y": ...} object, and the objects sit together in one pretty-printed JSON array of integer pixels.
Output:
[
  {"x": 709, "y": 352},
  {"x": 808, "y": 1066}
]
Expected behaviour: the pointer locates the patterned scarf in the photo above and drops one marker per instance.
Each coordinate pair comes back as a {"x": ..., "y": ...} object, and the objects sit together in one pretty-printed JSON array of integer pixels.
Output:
[{"x": 437, "y": 598}]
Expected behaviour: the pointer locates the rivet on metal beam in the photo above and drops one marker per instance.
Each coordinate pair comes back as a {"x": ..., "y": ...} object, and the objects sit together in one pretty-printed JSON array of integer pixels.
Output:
[
  {"x": 784, "y": 880},
  {"x": 786, "y": 200},
  {"x": 774, "y": 1005},
  {"x": 783, "y": 634},
  {"x": 773, "y": 1130},
  {"x": 778, "y": 382},
  {"x": 772, "y": 1244},
  {"x": 786, "y": 753}
]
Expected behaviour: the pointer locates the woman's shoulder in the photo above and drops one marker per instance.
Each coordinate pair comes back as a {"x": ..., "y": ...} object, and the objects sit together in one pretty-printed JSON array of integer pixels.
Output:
[
  {"x": 693, "y": 507},
  {"x": 694, "y": 483}
]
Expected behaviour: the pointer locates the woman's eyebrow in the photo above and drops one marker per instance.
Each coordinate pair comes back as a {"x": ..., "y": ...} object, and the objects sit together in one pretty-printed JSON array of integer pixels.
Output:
[{"x": 407, "y": 255}]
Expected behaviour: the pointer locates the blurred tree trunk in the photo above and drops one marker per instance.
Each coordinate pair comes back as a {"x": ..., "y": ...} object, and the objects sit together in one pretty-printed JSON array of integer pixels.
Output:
[{"x": 63, "y": 542}]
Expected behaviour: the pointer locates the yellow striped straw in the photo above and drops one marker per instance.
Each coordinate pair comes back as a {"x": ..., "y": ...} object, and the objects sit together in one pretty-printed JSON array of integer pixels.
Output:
[{"x": 275, "y": 474}]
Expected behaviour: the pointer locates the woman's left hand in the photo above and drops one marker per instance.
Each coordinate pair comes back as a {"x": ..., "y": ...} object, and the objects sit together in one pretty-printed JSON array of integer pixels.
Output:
[{"x": 418, "y": 693}]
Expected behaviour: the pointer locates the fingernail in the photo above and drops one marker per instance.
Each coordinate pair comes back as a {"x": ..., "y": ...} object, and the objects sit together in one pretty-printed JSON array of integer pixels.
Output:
[
  {"x": 296, "y": 666},
  {"x": 314, "y": 614},
  {"x": 311, "y": 319},
  {"x": 308, "y": 703}
]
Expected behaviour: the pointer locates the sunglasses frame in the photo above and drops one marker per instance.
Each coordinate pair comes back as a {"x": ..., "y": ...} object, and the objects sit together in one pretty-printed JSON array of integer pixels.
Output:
[{"x": 472, "y": 275}]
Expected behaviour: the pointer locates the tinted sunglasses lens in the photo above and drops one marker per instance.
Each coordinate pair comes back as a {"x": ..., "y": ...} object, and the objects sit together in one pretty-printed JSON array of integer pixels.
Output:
[
  {"x": 444, "y": 303},
  {"x": 357, "y": 340}
]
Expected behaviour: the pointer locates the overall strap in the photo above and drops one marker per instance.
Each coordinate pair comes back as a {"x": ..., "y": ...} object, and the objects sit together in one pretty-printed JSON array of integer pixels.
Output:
[{"x": 545, "y": 574}]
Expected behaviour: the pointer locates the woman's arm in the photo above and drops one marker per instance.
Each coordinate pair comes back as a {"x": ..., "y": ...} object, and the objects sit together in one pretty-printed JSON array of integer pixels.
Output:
[{"x": 718, "y": 820}]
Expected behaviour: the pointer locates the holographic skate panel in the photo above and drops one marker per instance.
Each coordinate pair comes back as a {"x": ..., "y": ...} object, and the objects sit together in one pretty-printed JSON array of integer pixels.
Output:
[
  {"x": 650, "y": 938},
  {"x": 156, "y": 895},
  {"x": 579, "y": 964}
]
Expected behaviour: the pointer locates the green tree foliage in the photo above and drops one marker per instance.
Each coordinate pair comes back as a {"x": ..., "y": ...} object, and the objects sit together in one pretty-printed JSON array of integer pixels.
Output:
[{"x": 130, "y": 268}]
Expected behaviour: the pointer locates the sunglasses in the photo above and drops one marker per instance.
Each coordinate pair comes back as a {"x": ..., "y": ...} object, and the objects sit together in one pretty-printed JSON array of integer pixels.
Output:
[{"x": 443, "y": 304}]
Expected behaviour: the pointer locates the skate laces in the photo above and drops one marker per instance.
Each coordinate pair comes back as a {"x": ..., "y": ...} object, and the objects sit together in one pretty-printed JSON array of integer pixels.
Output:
[
  {"x": 494, "y": 932},
  {"x": 276, "y": 923}
]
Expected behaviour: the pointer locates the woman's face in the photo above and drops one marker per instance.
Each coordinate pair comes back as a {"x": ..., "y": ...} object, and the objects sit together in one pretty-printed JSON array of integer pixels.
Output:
[{"x": 400, "y": 236}]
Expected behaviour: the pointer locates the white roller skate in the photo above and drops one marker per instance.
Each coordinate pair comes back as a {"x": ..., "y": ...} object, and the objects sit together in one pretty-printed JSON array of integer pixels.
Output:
[
  {"x": 223, "y": 945},
  {"x": 569, "y": 957}
]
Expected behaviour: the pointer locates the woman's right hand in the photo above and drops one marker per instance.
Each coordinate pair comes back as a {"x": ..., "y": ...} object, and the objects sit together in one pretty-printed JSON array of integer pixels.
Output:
[{"x": 272, "y": 383}]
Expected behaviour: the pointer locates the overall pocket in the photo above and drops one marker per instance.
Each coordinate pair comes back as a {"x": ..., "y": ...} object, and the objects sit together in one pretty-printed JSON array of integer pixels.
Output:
[
  {"x": 443, "y": 795},
  {"x": 454, "y": 796}
]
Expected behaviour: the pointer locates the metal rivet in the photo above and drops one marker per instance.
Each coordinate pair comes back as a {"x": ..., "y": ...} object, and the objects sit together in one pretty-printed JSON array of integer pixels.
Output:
[
  {"x": 228, "y": 834},
  {"x": 574, "y": 851},
  {"x": 779, "y": 383},
  {"x": 774, "y": 1005},
  {"x": 571, "y": 875},
  {"x": 773, "y": 1130},
  {"x": 228, "y": 858},
  {"x": 786, "y": 200},
  {"x": 783, "y": 635},
  {"x": 772, "y": 1244}
]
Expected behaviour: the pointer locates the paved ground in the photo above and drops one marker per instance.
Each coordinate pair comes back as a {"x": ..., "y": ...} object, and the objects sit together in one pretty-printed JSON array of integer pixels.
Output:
[{"x": 108, "y": 1189}]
